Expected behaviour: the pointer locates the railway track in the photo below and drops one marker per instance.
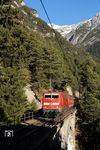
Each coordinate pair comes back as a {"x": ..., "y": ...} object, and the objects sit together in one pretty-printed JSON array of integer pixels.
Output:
[{"x": 64, "y": 115}]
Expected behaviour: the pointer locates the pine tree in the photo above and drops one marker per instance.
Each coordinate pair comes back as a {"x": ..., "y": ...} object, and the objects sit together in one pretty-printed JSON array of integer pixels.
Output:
[
  {"x": 89, "y": 112},
  {"x": 12, "y": 98},
  {"x": 2, "y": 2}
]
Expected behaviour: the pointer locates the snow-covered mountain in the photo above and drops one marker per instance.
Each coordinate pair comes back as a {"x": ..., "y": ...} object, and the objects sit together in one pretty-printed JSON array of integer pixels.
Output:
[
  {"x": 86, "y": 34},
  {"x": 64, "y": 30},
  {"x": 77, "y": 32}
]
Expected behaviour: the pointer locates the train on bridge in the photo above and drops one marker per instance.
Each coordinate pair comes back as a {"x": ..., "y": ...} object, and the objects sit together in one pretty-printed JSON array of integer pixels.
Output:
[{"x": 56, "y": 102}]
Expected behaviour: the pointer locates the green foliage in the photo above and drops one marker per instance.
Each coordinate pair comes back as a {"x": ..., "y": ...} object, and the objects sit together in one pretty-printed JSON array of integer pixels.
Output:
[
  {"x": 94, "y": 49},
  {"x": 26, "y": 55},
  {"x": 29, "y": 11},
  {"x": 5, "y": 2},
  {"x": 89, "y": 112},
  {"x": 12, "y": 99}
]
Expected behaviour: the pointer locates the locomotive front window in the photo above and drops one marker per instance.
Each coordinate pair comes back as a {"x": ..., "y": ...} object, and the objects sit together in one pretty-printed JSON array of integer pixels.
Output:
[
  {"x": 51, "y": 96},
  {"x": 48, "y": 96},
  {"x": 55, "y": 96}
]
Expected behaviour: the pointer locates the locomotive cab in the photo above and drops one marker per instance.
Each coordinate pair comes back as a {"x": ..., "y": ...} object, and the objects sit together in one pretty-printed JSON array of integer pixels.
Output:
[
  {"x": 51, "y": 102},
  {"x": 56, "y": 102}
]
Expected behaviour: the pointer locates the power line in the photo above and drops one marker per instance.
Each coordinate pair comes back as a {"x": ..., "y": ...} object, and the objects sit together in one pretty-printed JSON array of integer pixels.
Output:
[
  {"x": 57, "y": 39},
  {"x": 46, "y": 12}
]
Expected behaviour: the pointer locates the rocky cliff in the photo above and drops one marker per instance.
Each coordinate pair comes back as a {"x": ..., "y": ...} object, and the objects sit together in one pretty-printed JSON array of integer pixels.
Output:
[
  {"x": 86, "y": 34},
  {"x": 65, "y": 135}
]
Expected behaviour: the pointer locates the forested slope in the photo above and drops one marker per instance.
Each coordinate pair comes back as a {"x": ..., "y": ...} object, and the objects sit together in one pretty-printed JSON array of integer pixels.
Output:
[{"x": 30, "y": 54}]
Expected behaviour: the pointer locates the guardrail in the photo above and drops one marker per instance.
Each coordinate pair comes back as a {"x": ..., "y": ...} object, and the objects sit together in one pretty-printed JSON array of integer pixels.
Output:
[{"x": 27, "y": 116}]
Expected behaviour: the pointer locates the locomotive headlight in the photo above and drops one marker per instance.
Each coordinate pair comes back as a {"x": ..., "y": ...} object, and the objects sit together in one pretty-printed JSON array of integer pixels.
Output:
[
  {"x": 55, "y": 104},
  {"x": 46, "y": 103}
]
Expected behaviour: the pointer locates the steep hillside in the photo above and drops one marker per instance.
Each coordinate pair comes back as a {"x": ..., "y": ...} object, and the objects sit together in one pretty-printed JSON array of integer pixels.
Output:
[
  {"x": 31, "y": 54},
  {"x": 39, "y": 48}
]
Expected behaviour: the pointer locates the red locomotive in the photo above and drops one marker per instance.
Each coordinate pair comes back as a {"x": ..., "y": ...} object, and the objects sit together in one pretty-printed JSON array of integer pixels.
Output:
[{"x": 56, "y": 101}]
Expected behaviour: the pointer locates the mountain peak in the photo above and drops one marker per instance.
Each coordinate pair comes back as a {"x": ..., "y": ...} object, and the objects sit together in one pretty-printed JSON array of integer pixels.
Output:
[
  {"x": 98, "y": 14},
  {"x": 96, "y": 19},
  {"x": 77, "y": 32}
]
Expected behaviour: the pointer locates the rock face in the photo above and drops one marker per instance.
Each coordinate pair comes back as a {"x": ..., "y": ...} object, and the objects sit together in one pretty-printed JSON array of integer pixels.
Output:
[
  {"x": 65, "y": 135},
  {"x": 29, "y": 93},
  {"x": 31, "y": 97},
  {"x": 69, "y": 90},
  {"x": 86, "y": 34},
  {"x": 23, "y": 8},
  {"x": 76, "y": 33}
]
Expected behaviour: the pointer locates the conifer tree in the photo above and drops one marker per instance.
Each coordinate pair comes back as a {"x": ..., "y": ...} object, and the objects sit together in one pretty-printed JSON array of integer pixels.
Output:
[
  {"x": 89, "y": 112},
  {"x": 12, "y": 98}
]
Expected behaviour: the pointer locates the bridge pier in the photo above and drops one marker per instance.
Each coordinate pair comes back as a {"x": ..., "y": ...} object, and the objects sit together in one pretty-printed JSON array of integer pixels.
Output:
[{"x": 65, "y": 134}]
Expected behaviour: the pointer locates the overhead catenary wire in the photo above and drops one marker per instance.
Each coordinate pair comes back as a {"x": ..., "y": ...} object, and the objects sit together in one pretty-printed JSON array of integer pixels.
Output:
[
  {"x": 46, "y": 13},
  {"x": 56, "y": 36},
  {"x": 57, "y": 39}
]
